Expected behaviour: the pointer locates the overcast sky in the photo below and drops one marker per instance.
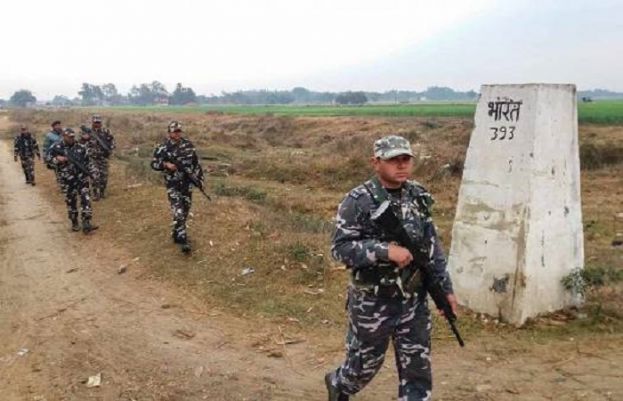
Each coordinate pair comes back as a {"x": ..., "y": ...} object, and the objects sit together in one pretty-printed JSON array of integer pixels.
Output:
[{"x": 51, "y": 47}]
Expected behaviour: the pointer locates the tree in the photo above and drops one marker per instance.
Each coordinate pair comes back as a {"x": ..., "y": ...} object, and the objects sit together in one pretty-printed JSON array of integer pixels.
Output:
[
  {"x": 91, "y": 94},
  {"x": 151, "y": 93},
  {"x": 301, "y": 95},
  {"x": 182, "y": 95},
  {"x": 61, "y": 101},
  {"x": 159, "y": 92},
  {"x": 351, "y": 98},
  {"x": 112, "y": 95},
  {"x": 22, "y": 98}
]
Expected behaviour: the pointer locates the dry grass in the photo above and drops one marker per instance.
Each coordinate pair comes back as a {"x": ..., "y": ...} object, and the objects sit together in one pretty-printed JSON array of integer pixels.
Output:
[{"x": 278, "y": 181}]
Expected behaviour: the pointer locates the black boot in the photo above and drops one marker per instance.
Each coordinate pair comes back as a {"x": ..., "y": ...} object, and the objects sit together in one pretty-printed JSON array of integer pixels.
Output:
[
  {"x": 334, "y": 393},
  {"x": 74, "y": 224},
  {"x": 184, "y": 245},
  {"x": 87, "y": 227}
]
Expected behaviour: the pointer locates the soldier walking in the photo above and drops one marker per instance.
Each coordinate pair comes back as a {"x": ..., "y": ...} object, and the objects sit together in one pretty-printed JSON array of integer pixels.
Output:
[
  {"x": 89, "y": 143},
  {"x": 26, "y": 148},
  {"x": 53, "y": 136},
  {"x": 177, "y": 159},
  {"x": 379, "y": 306},
  {"x": 101, "y": 150},
  {"x": 71, "y": 159}
]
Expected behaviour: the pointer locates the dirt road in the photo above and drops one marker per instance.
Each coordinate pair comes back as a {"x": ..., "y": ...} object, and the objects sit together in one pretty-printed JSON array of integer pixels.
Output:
[
  {"x": 66, "y": 314},
  {"x": 62, "y": 300}
]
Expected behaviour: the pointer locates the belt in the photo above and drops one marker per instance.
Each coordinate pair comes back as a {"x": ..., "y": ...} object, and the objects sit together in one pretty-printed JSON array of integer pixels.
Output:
[
  {"x": 379, "y": 290},
  {"x": 374, "y": 276},
  {"x": 388, "y": 291}
]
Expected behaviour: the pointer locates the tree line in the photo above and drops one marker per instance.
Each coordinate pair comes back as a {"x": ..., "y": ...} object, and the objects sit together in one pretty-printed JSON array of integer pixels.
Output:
[{"x": 156, "y": 93}]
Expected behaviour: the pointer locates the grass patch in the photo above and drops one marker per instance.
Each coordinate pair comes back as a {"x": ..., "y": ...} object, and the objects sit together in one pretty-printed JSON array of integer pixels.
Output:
[
  {"x": 598, "y": 155},
  {"x": 250, "y": 193}
]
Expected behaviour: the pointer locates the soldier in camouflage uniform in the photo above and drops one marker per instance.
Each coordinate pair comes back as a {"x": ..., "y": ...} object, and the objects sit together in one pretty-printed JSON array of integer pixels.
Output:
[
  {"x": 71, "y": 159},
  {"x": 379, "y": 307},
  {"x": 89, "y": 143},
  {"x": 26, "y": 148},
  {"x": 55, "y": 135},
  {"x": 101, "y": 150},
  {"x": 177, "y": 159}
]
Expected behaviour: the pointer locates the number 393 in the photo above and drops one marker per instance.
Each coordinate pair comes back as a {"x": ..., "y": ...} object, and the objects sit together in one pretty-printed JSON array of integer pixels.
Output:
[{"x": 502, "y": 133}]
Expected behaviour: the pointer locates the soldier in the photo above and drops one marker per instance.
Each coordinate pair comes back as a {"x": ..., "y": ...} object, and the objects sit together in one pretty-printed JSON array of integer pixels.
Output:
[
  {"x": 87, "y": 140},
  {"x": 102, "y": 148},
  {"x": 177, "y": 159},
  {"x": 71, "y": 159},
  {"x": 26, "y": 148},
  {"x": 379, "y": 306},
  {"x": 55, "y": 135}
]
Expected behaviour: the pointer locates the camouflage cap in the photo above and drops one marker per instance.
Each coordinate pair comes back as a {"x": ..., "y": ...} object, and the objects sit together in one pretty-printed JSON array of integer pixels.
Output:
[
  {"x": 392, "y": 146},
  {"x": 69, "y": 132},
  {"x": 96, "y": 119},
  {"x": 175, "y": 126}
]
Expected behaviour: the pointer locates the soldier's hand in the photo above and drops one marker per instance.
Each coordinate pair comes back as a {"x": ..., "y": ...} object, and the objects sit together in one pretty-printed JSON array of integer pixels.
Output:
[
  {"x": 170, "y": 166},
  {"x": 453, "y": 304},
  {"x": 399, "y": 255},
  {"x": 61, "y": 159}
]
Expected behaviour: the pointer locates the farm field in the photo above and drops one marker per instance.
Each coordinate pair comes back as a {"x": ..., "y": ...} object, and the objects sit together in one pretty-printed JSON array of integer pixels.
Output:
[{"x": 597, "y": 112}]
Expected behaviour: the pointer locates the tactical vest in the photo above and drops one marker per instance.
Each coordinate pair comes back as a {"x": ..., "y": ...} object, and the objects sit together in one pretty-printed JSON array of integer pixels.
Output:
[{"x": 387, "y": 273}]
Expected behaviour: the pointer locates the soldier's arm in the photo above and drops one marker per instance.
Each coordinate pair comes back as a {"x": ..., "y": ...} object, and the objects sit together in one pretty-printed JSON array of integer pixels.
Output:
[
  {"x": 113, "y": 143},
  {"x": 197, "y": 170},
  {"x": 35, "y": 147},
  {"x": 438, "y": 259},
  {"x": 86, "y": 159},
  {"x": 46, "y": 144},
  {"x": 157, "y": 161},
  {"x": 350, "y": 246},
  {"x": 52, "y": 154},
  {"x": 16, "y": 147}
]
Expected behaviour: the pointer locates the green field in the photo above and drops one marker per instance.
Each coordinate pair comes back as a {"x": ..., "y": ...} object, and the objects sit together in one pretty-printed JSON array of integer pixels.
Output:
[
  {"x": 608, "y": 112},
  {"x": 599, "y": 112}
]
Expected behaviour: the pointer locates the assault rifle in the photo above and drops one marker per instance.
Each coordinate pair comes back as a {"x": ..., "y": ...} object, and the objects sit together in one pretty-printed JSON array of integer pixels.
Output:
[
  {"x": 99, "y": 140},
  {"x": 189, "y": 174},
  {"x": 76, "y": 163},
  {"x": 395, "y": 231}
]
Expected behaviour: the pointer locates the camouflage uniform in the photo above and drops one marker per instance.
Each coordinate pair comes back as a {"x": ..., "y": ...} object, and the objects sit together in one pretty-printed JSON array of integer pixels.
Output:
[
  {"x": 26, "y": 148},
  {"x": 90, "y": 145},
  {"x": 178, "y": 185},
  {"x": 100, "y": 152},
  {"x": 377, "y": 307},
  {"x": 74, "y": 182}
]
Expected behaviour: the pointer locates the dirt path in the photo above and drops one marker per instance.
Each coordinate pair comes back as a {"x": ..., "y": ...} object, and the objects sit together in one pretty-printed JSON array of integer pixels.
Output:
[
  {"x": 66, "y": 314},
  {"x": 62, "y": 299}
]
